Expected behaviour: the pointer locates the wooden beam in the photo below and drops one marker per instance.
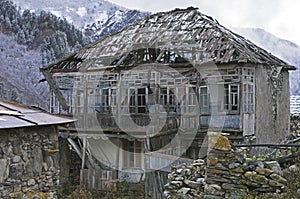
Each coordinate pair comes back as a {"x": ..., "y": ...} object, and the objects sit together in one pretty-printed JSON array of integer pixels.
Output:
[
  {"x": 75, "y": 147},
  {"x": 48, "y": 76},
  {"x": 83, "y": 163},
  {"x": 267, "y": 145},
  {"x": 83, "y": 153},
  {"x": 287, "y": 160}
]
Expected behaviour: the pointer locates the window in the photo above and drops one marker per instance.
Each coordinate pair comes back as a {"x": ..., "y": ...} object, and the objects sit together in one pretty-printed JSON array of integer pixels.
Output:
[
  {"x": 131, "y": 95},
  {"x": 132, "y": 154},
  {"x": 189, "y": 99},
  {"x": 172, "y": 100},
  {"x": 102, "y": 104},
  {"x": 167, "y": 99},
  {"x": 78, "y": 102},
  {"x": 163, "y": 98},
  {"x": 103, "y": 100},
  {"x": 113, "y": 99},
  {"x": 192, "y": 99},
  {"x": 248, "y": 75},
  {"x": 231, "y": 98},
  {"x": 91, "y": 101},
  {"x": 248, "y": 93},
  {"x": 137, "y": 100},
  {"x": 124, "y": 101},
  {"x": 203, "y": 97},
  {"x": 248, "y": 90},
  {"x": 141, "y": 100}
]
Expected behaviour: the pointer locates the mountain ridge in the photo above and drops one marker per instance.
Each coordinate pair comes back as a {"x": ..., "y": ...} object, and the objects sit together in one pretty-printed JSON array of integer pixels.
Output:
[
  {"x": 282, "y": 48},
  {"x": 95, "y": 19},
  {"x": 115, "y": 19}
]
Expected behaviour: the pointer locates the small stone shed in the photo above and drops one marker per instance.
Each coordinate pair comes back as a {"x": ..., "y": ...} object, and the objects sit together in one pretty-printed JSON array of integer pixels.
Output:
[{"x": 29, "y": 151}]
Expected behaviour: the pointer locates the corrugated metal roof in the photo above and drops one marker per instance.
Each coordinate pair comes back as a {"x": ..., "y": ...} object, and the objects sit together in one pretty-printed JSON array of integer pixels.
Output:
[
  {"x": 8, "y": 121},
  {"x": 13, "y": 115}
]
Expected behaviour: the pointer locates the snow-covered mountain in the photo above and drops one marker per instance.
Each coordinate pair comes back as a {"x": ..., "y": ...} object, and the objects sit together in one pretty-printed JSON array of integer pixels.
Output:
[
  {"x": 20, "y": 66},
  {"x": 95, "y": 18},
  {"x": 29, "y": 39},
  {"x": 284, "y": 49},
  {"x": 119, "y": 20},
  {"x": 78, "y": 12}
]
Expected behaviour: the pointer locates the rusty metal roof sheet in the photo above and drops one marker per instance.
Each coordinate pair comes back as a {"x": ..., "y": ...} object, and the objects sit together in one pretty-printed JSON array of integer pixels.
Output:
[
  {"x": 181, "y": 29},
  {"x": 13, "y": 115}
]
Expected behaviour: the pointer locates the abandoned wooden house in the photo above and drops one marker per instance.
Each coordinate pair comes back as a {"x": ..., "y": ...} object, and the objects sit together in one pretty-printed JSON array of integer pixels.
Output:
[
  {"x": 161, "y": 84},
  {"x": 29, "y": 151}
]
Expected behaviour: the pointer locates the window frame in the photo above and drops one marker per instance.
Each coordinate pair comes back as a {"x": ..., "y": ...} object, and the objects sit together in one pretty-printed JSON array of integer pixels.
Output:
[
  {"x": 248, "y": 90},
  {"x": 132, "y": 154},
  {"x": 204, "y": 100},
  {"x": 231, "y": 98}
]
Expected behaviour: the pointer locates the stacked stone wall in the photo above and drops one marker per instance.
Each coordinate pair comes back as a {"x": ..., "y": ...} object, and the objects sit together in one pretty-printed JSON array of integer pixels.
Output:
[
  {"x": 29, "y": 162},
  {"x": 224, "y": 174}
]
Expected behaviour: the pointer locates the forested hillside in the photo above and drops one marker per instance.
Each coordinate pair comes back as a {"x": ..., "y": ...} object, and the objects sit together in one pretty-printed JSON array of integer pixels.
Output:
[
  {"x": 20, "y": 76},
  {"x": 42, "y": 31},
  {"x": 28, "y": 41},
  {"x": 95, "y": 18},
  {"x": 32, "y": 38}
]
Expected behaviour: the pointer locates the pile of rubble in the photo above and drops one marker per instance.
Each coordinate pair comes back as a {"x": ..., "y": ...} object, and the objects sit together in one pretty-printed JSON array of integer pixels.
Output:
[{"x": 226, "y": 174}]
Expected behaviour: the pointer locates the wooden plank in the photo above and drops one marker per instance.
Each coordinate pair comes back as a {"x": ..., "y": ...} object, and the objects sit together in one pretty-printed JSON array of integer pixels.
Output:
[
  {"x": 267, "y": 145},
  {"x": 83, "y": 153},
  {"x": 75, "y": 147},
  {"x": 56, "y": 90}
]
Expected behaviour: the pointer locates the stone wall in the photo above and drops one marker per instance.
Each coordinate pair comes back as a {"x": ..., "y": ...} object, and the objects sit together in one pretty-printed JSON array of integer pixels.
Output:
[
  {"x": 224, "y": 174},
  {"x": 29, "y": 162},
  {"x": 271, "y": 105},
  {"x": 186, "y": 181}
]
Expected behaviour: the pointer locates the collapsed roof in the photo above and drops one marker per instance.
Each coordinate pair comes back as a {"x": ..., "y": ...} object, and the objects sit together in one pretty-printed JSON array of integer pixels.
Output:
[{"x": 180, "y": 30}]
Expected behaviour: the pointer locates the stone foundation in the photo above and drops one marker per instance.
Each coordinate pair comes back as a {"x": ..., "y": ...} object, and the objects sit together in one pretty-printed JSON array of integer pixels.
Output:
[{"x": 29, "y": 162}]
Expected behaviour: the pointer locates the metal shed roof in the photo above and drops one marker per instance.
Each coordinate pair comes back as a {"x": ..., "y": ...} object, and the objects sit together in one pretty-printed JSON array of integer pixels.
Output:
[{"x": 13, "y": 115}]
